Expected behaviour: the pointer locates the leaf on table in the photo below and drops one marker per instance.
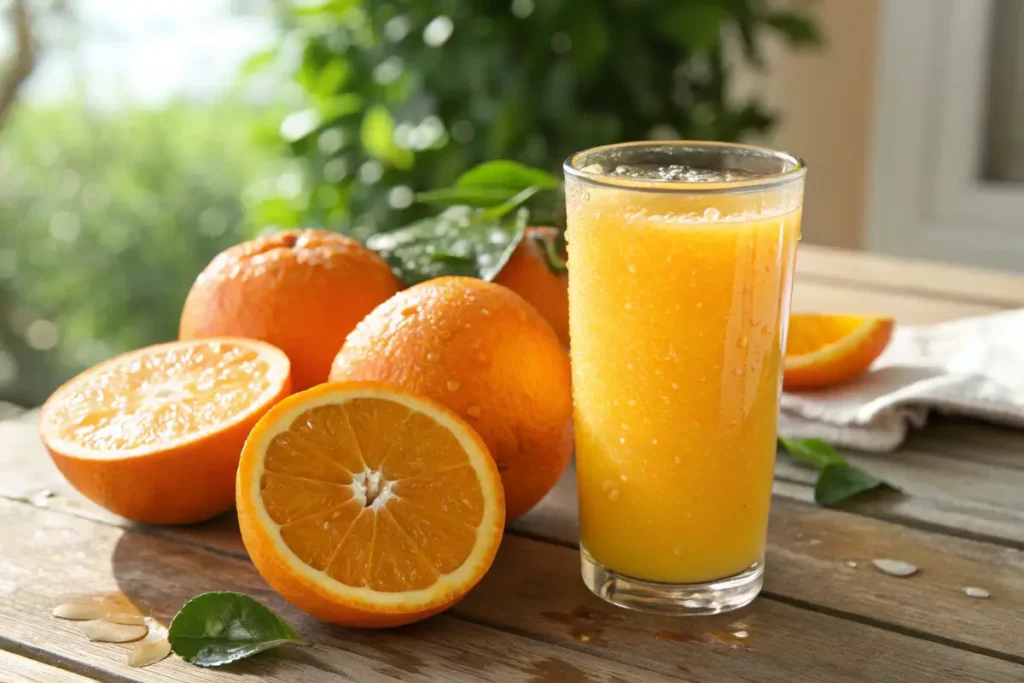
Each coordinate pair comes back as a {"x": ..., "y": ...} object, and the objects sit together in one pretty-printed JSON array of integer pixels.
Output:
[
  {"x": 841, "y": 481},
  {"x": 457, "y": 242},
  {"x": 217, "y": 628},
  {"x": 837, "y": 480},
  {"x": 814, "y": 452}
]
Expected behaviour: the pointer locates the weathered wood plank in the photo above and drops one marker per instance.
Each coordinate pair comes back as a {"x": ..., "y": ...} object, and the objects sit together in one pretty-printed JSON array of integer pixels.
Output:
[
  {"x": 788, "y": 556},
  {"x": 811, "y": 296},
  {"x": 807, "y": 556},
  {"x": 552, "y": 628},
  {"x": 17, "y": 669},
  {"x": 48, "y": 556},
  {"x": 964, "y": 496},
  {"x": 908, "y": 276}
]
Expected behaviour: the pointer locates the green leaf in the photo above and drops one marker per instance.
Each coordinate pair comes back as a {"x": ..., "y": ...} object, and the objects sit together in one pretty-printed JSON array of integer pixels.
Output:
[
  {"x": 814, "y": 452},
  {"x": 457, "y": 242},
  {"x": 510, "y": 204},
  {"x": 695, "y": 26},
  {"x": 506, "y": 175},
  {"x": 466, "y": 196},
  {"x": 841, "y": 481},
  {"x": 550, "y": 244},
  {"x": 377, "y": 135},
  {"x": 798, "y": 30},
  {"x": 218, "y": 628}
]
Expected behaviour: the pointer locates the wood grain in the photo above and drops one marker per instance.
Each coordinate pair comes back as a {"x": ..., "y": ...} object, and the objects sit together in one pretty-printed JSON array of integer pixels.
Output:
[
  {"x": 824, "y": 579},
  {"x": 50, "y": 555},
  {"x": 530, "y": 620},
  {"x": 811, "y": 296},
  {"x": 17, "y": 669},
  {"x": 879, "y": 272},
  {"x": 807, "y": 556},
  {"x": 965, "y": 496}
]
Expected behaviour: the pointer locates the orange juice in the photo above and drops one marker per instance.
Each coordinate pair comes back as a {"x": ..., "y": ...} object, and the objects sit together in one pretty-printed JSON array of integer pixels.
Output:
[{"x": 678, "y": 309}]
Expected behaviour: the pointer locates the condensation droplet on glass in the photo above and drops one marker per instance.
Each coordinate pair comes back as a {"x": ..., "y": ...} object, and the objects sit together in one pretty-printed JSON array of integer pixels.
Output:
[
  {"x": 473, "y": 411},
  {"x": 433, "y": 356},
  {"x": 622, "y": 439},
  {"x": 743, "y": 342},
  {"x": 628, "y": 306},
  {"x": 678, "y": 460},
  {"x": 738, "y": 372},
  {"x": 624, "y": 427},
  {"x": 623, "y": 477},
  {"x": 678, "y": 552},
  {"x": 631, "y": 403},
  {"x": 607, "y": 485},
  {"x": 700, "y": 304},
  {"x": 453, "y": 385},
  {"x": 585, "y": 196},
  {"x": 613, "y": 495},
  {"x": 629, "y": 366},
  {"x": 654, "y": 442},
  {"x": 675, "y": 385},
  {"x": 485, "y": 312},
  {"x": 631, "y": 268}
]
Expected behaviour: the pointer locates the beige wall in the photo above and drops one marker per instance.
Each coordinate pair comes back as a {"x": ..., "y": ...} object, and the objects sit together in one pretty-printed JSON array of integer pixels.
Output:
[{"x": 825, "y": 99}]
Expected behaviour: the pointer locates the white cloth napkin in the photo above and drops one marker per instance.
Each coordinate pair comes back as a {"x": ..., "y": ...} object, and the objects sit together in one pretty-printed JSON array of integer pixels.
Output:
[{"x": 972, "y": 367}]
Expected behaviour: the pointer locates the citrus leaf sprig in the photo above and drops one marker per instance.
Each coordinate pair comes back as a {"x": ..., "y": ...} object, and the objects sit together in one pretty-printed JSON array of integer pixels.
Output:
[
  {"x": 483, "y": 220},
  {"x": 838, "y": 480},
  {"x": 218, "y": 628}
]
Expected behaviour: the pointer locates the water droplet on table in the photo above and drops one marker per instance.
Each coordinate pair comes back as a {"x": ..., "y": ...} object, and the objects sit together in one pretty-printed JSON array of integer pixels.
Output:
[
  {"x": 894, "y": 567},
  {"x": 976, "y": 592}
]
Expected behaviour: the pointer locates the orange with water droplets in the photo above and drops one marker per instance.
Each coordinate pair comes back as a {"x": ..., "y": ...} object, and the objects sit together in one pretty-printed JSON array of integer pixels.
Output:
[
  {"x": 482, "y": 351},
  {"x": 529, "y": 274},
  {"x": 154, "y": 435},
  {"x": 366, "y": 506},
  {"x": 301, "y": 290},
  {"x": 822, "y": 350}
]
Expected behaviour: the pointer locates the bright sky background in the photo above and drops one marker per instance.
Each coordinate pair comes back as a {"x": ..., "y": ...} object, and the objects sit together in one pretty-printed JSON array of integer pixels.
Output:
[{"x": 147, "y": 51}]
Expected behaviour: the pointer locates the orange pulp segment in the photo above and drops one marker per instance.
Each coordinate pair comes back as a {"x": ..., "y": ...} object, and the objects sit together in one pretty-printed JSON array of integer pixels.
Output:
[
  {"x": 155, "y": 434},
  {"x": 366, "y": 506},
  {"x": 823, "y": 350}
]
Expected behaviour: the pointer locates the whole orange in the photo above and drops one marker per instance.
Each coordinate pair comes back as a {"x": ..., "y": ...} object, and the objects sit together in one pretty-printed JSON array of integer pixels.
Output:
[
  {"x": 528, "y": 274},
  {"x": 483, "y": 352},
  {"x": 302, "y": 290}
]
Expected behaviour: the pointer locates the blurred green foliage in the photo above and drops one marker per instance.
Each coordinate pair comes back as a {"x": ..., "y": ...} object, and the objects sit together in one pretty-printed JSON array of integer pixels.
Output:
[
  {"x": 107, "y": 219},
  {"x": 403, "y": 95}
]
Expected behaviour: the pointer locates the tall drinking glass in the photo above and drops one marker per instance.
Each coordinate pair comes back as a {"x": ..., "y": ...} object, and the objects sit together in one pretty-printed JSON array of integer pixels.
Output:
[{"x": 681, "y": 261}]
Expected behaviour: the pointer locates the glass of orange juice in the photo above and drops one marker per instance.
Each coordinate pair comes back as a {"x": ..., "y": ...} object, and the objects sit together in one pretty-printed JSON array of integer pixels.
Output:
[{"x": 681, "y": 258}]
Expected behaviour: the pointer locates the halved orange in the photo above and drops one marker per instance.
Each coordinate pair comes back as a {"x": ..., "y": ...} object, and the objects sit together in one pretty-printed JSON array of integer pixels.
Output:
[
  {"x": 823, "y": 350},
  {"x": 154, "y": 435},
  {"x": 367, "y": 506}
]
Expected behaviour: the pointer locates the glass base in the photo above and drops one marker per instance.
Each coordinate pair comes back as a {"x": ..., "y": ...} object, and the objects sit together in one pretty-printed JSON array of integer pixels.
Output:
[{"x": 672, "y": 599}]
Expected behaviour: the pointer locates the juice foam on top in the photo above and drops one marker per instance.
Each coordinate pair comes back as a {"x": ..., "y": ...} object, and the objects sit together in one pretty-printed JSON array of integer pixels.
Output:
[{"x": 672, "y": 173}]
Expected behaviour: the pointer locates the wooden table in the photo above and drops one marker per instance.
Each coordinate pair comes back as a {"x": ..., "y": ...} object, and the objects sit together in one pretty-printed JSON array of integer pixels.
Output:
[{"x": 826, "y": 613}]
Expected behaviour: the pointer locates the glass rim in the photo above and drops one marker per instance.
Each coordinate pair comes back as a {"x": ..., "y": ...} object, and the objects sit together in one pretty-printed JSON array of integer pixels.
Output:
[{"x": 797, "y": 169}]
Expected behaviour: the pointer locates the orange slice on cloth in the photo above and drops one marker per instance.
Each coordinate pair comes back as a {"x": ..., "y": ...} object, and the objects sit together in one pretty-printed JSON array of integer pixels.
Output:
[
  {"x": 154, "y": 435},
  {"x": 823, "y": 350},
  {"x": 366, "y": 506}
]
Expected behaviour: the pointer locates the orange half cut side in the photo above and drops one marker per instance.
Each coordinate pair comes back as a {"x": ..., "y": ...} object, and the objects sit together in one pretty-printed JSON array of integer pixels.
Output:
[
  {"x": 366, "y": 506},
  {"x": 155, "y": 434},
  {"x": 823, "y": 350}
]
